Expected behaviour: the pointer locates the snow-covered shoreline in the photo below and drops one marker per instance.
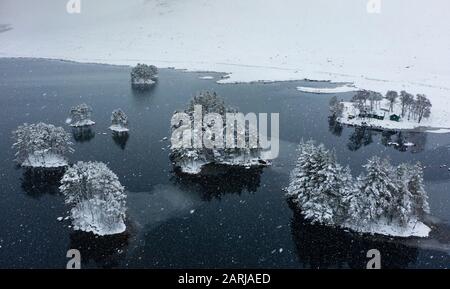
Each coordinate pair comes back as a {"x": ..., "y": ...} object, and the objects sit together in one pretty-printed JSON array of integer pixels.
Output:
[
  {"x": 414, "y": 228},
  {"x": 350, "y": 117},
  {"x": 380, "y": 53},
  {"x": 333, "y": 90},
  {"x": 46, "y": 160}
]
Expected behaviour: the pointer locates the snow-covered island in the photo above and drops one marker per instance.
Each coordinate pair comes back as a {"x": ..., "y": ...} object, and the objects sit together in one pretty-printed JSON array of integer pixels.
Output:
[
  {"x": 387, "y": 200},
  {"x": 190, "y": 159},
  {"x": 143, "y": 75},
  {"x": 97, "y": 198},
  {"x": 119, "y": 121},
  {"x": 393, "y": 111},
  {"x": 80, "y": 116},
  {"x": 41, "y": 145}
]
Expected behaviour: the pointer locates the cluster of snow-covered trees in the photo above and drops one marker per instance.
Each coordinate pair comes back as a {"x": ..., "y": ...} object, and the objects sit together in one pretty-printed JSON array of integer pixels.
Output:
[
  {"x": 80, "y": 115},
  {"x": 94, "y": 192},
  {"x": 416, "y": 108},
  {"x": 190, "y": 159},
  {"x": 119, "y": 121},
  {"x": 97, "y": 198},
  {"x": 144, "y": 75},
  {"x": 386, "y": 199},
  {"x": 41, "y": 145}
]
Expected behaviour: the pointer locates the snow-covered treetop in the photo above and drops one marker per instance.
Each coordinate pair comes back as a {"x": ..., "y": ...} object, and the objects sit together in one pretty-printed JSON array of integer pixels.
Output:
[
  {"x": 40, "y": 139},
  {"x": 319, "y": 184},
  {"x": 80, "y": 115},
  {"x": 144, "y": 71},
  {"x": 211, "y": 102},
  {"x": 88, "y": 180},
  {"x": 386, "y": 196},
  {"x": 119, "y": 118}
]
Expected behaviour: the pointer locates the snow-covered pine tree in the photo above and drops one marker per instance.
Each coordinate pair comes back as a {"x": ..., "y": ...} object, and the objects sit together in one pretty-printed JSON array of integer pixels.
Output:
[
  {"x": 97, "y": 198},
  {"x": 319, "y": 185},
  {"x": 41, "y": 145},
  {"x": 386, "y": 200},
  {"x": 80, "y": 115},
  {"x": 378, "y": 188},
  {"x": 144, "y": 75},
  {"x": 416, "y": 188},
  {"x": 404, "y": 202},
  {"x": 119, "y": 121}
]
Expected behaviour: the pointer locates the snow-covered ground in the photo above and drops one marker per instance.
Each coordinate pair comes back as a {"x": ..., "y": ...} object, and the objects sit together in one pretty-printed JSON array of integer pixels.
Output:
[
  {"x": 405, "y": 47},
  {"x": 386, "y": 123},
  {"x": 194, "y": 167},
  {"x": 88, "y": 216},
  {"x": 412, "y": 229},
  {"x": 46, "y": 160},
  {"x": 142, "y": 81},
  {"x": 319, "y": 90},
  {"x": 86, "y": 122},
  {"x": 118, "y": 128}
]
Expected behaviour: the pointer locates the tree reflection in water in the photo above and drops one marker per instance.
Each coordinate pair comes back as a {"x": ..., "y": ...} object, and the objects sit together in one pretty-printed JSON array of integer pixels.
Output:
[
  {"x": 104, "y": 251},
  {"x": 403, "y": 141},
  {"x": 120, "y": 139},
  {"x": 83, "y": 134},
  {"x": 217, "y": 181},
  {"x": 39, "y": 181},
  {"x": 319, "y": 247}
]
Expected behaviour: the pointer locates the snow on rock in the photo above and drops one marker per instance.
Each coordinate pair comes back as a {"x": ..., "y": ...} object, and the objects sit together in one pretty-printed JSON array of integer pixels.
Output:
[
  {"x": 318, "y": 90},
  {"x": 206, "y": 77}
]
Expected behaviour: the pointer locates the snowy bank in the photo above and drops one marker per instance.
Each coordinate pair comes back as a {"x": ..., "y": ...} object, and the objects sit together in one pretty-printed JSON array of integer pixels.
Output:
[
  {"x": 372, "y": 51},
  {"x": 82, "y": 123},
  {"x": 350, "y": 116},
  {"x": 119, "y": 129},
  {"x": 47, "y": 160},
  {"x": 414, "y": 228},
  {"x": 318, "y": 90},
  {"x": 88, "y": 217},
  {"x": 194, "y": 167}
]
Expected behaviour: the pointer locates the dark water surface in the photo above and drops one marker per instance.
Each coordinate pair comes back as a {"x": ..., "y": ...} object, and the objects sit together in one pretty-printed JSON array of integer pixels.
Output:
[{"x": 237, "y": 220}]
